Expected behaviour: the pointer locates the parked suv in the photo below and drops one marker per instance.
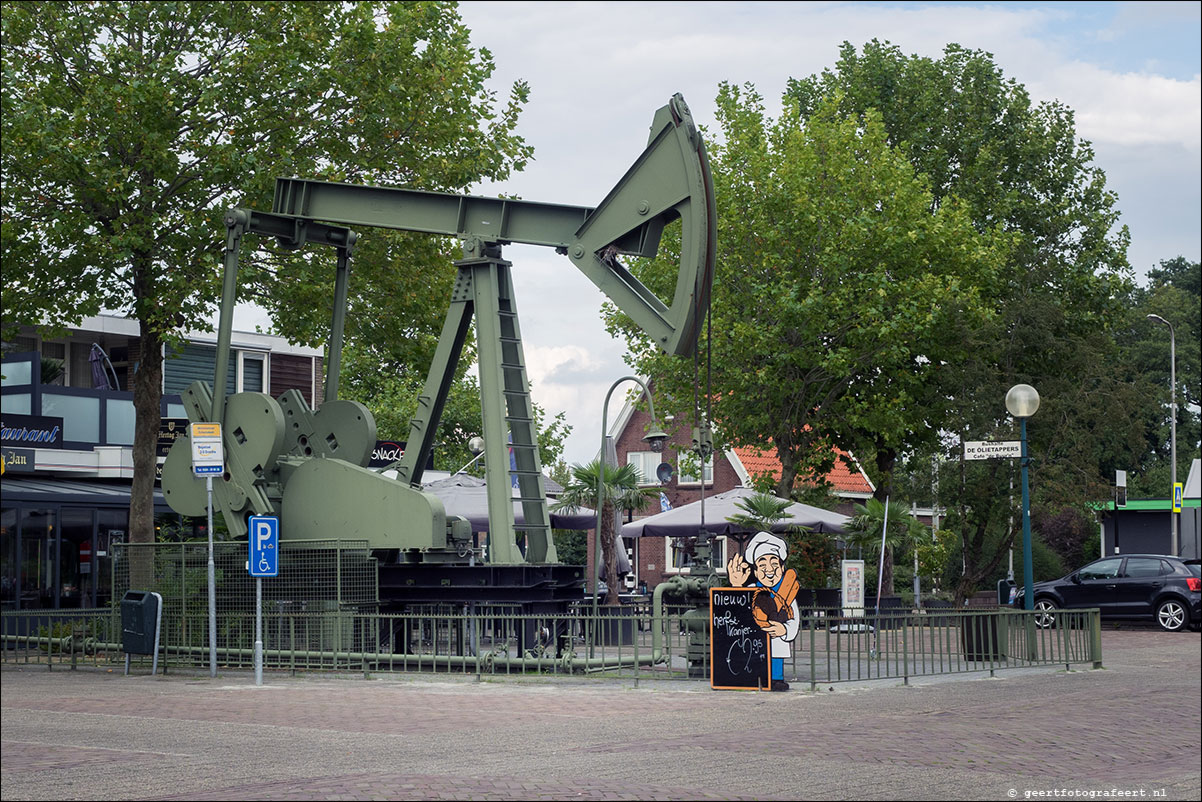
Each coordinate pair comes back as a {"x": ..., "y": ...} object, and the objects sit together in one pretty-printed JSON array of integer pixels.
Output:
[{"x": 1149, "y": 586}]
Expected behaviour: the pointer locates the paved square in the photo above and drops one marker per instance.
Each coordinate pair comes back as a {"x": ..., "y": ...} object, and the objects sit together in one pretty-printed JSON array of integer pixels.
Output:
[{"x": 1132, "y": 729}]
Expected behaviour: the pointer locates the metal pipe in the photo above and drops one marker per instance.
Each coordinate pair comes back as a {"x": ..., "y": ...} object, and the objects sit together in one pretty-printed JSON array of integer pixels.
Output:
[{"x": 459, "y": 661}]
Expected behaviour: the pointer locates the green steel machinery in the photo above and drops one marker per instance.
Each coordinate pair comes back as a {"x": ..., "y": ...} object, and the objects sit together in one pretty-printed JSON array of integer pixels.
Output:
[{"x": 307, "y": 465}]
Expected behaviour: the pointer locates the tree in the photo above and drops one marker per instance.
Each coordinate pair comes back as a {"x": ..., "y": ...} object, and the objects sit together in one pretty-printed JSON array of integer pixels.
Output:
[
  {"x": 129, "y": 127},
  {"x": 622, "y": 492},
  {"x": 1017, "y": 167},
  {"x": 1174, "y": 292},
  {"x": 867, "y": 529},
  {"x": 760, "y": 512},
  {"x": 860, "y": 289}
]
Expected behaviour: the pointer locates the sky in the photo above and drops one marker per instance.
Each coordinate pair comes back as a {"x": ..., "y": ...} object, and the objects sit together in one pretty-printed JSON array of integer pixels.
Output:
[{"x": 598, "y": 71}]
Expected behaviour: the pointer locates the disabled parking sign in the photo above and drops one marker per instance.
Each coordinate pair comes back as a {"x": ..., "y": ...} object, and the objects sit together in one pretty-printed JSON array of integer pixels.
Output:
[{"x": 264, "y": 545}]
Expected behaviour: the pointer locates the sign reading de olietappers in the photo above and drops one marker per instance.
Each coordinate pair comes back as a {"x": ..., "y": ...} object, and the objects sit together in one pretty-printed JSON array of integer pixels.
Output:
[
  {"x": 991, "y": 449},
  {"x": 208, "y": 455}
]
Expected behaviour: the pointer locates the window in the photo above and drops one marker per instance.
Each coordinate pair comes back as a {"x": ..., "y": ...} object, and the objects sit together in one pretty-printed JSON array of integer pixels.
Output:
[
  {"x": 250, "y": 372},
  {"x": 1102, "y": 569},
  {"x": 645, "y": 462},
  {"x": 1143, "y": 566},
  {"x": 682, "y": 551},
  {"x": 686, "y": 469}
]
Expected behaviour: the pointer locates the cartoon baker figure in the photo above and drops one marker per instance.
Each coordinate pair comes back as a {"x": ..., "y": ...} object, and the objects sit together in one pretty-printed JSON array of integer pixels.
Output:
[{"x": 775, "y": 605}]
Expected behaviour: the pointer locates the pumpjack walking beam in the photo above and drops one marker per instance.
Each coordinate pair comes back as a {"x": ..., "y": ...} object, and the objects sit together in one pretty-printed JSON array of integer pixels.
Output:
[{"x": 670, "y": 180}]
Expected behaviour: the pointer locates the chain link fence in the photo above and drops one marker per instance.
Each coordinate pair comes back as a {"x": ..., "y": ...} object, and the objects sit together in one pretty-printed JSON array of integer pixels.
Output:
[{"x": 320, "y": 581}]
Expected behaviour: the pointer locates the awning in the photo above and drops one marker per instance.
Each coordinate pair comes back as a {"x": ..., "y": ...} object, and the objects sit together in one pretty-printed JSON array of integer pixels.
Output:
[{"x": 51, "y": 492}]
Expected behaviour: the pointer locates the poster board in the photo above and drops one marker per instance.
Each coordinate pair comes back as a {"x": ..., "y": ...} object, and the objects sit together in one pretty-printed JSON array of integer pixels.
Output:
[
  {"x": 853, "y": 588},
  {"x": 739, "y": 649}
]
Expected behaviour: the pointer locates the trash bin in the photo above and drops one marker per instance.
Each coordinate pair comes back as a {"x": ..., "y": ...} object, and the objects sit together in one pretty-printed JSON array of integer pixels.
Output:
[
  {"x": 983, "y": 637},
  {"x": 139, "y": 621},
  {"x": 141, "y": 616}
]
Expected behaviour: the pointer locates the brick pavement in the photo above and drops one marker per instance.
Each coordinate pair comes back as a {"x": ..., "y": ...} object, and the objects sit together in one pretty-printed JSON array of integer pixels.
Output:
[{"x": 1131, "y": 727}]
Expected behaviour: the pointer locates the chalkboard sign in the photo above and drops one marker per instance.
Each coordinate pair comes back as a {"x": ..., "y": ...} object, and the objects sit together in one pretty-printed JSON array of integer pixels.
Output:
[{"x": 738, "y": 647}]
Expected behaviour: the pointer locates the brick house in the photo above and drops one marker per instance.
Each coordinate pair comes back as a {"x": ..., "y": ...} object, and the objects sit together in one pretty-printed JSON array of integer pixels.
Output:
[{"x": 656, "y": 558}]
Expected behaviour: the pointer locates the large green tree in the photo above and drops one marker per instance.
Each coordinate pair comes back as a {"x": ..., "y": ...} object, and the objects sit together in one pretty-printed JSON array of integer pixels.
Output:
[
  {"x": 1174, "y": 292},
  {"x": 841, "y": 287},
  {"x": 1018, "y": 167},
  {"x": 129, "y": 127}
]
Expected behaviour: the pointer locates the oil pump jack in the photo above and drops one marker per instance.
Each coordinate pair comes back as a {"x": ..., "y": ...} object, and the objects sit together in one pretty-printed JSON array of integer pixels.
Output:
[{"x": 307, "y": 466}]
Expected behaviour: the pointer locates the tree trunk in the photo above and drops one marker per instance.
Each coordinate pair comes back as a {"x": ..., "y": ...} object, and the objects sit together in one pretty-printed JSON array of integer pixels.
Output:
[
  {"x": 148, "y": 395},
  {"x": 788, "y": 473},
  {"x": 608, "y": 557}
]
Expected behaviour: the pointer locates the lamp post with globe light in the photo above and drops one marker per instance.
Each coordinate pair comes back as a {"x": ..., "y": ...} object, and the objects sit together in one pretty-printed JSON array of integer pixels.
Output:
[{"x": 1022, "y": 401}]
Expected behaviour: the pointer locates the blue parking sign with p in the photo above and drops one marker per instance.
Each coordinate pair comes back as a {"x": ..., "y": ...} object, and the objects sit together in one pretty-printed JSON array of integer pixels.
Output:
[{"x": 264, "y": 545}]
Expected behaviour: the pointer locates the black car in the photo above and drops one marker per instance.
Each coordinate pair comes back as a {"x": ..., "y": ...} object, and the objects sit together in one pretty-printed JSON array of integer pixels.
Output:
[{"x": 1149, "y": 586}]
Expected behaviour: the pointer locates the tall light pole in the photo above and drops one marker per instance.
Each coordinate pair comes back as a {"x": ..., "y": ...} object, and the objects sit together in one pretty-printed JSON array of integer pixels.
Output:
[
  {"x": 1022, "y": 401},
  {"x": 1173, "y": 545},
  {"x": 655, "y": 439}
]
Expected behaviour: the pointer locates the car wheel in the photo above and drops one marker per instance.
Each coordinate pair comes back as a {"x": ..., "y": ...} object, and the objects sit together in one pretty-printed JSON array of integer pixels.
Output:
[
  {"x": 1172, "y": 615},
  {"x": 1044, "y": 616}
]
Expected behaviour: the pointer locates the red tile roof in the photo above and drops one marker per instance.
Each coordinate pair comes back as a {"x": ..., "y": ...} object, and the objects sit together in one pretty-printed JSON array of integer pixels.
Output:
[{"x": 842, "y": 478}]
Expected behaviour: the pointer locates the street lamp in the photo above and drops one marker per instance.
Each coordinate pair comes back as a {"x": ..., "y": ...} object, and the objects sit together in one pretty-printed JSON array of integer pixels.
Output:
[
  {"x": 1173, "y": 423},
  {"x": 655, "y": 439},
  {"x": 1022, "y": 401}
]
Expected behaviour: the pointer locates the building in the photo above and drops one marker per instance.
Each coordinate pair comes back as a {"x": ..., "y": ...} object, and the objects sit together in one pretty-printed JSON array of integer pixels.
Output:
[
  {"x": 1144, "y": 526},
  {"x": 655, "y": 559},
  {"x": 68, "y": 431}
]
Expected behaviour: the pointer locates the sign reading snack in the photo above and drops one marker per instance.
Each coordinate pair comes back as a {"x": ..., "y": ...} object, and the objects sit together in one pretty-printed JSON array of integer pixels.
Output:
[{"x": 738, "y": 646}]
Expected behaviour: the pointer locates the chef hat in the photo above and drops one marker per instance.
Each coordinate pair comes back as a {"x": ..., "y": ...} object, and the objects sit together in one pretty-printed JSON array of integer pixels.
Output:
[{"x": 766, "y": 543}]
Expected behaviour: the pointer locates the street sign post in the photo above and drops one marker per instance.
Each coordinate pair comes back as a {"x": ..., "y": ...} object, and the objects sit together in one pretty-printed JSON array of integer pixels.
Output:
[
  {"x": 208, "y": 460},
  {"x": 263, "y": 560},
  {"x": 990, "y": 449}
]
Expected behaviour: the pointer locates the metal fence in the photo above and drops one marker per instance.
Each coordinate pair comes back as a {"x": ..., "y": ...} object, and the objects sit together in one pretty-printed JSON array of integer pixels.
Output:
[
  {"x": 316, "y": 576},
  {"x": 627, "y": 642}
]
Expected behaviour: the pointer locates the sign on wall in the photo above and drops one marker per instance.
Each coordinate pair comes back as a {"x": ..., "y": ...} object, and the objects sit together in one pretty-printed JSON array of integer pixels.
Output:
[
  {"x": 31, "y": 431},
  {"x": 17, "y": 460},
  {"x": 169, "y": 430}
]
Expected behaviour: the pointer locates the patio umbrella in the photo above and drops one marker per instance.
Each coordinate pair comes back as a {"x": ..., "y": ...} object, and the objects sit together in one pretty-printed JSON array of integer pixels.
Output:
[
  {"x": 685, "y": 521},
  {"x": 100, "y": 377},
  {"x": 467, "y": 496}
]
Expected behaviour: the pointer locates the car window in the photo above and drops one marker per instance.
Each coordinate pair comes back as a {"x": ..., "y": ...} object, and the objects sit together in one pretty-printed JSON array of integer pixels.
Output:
[
  {"x": 1143, "y": 566},
  {"x": 1102, "y": 569}
]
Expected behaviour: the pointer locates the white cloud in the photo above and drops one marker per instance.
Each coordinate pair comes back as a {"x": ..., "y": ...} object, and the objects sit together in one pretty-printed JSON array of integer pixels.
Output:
[{"x": 1128, "y": 108}]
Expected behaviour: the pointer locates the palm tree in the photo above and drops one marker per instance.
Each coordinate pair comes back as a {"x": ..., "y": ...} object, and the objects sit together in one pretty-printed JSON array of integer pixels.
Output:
[
  {"x": 864, "y": 530},
  {"x": 621, "y": 491},
  {"x": 760, "y": 512}
]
